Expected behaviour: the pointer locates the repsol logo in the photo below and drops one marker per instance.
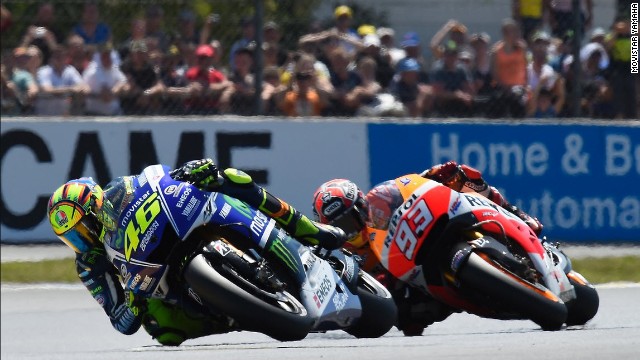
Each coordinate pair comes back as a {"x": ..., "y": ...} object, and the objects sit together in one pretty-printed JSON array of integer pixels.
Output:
[
  {"x": 39, "y": 148},
  {"x": 395, "y": 219}
]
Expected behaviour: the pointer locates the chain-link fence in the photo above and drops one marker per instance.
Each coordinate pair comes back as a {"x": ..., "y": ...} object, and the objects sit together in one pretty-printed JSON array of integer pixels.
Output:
[{"x": 209, "y": 57}]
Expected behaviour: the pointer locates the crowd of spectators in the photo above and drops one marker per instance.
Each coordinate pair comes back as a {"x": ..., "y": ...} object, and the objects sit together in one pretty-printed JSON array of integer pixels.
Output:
[{"x": 340, "y": 71}]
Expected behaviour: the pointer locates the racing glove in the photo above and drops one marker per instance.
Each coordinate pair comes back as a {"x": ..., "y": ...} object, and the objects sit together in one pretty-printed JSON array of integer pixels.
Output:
[{"x": 201, "y": 173}]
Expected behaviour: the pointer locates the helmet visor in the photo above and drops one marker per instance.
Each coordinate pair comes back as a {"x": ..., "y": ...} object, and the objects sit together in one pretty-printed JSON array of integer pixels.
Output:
[
  {"x": 83, "y": 236},
  {"x": 351, "y": 222}
]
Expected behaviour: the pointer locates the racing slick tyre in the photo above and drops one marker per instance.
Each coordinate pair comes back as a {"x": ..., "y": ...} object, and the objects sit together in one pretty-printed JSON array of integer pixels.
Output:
[
  {"x": 585, "y": 306},
  {"x": 532, "y": 301},
  {"x": 379, "y": 311},
  {"x": 253, "y": 306}
]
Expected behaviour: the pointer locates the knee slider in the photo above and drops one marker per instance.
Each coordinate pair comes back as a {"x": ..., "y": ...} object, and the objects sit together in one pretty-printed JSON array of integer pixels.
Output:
[{"x": 238, "y": 176}]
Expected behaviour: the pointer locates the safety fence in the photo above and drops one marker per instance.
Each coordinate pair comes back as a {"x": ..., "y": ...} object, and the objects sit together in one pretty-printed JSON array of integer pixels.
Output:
[{"x": 257, "y": 57}]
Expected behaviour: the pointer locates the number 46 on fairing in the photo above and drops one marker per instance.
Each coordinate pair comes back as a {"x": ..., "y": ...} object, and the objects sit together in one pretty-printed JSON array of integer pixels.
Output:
[{"x": 138, "y": 224}]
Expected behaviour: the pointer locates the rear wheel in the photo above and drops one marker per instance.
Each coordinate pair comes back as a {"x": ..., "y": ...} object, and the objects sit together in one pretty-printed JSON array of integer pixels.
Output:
[
  {"x": 255, "y": 306},
  {"x": 585, "y": 306},
  {"x": 379, "y": 311},
  {"x": 532, "y": 301}
]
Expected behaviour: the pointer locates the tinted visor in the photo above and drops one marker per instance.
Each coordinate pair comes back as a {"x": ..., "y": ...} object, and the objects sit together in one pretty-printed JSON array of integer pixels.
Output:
[
  {"x": 351, "y": 222},
  {"x": 83, "y": 236}
]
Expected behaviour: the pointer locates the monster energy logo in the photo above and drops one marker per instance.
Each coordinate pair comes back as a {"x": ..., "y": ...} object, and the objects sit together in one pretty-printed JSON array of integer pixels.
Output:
[
  {"x": 280, "y": 250},
  {"x": 239, "y": 205}
]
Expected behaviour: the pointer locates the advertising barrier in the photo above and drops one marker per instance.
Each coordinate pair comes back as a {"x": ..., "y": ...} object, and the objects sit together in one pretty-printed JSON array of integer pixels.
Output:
[
  {"x": 580, "y": 180},
  {"x": 290, "y": 158}
]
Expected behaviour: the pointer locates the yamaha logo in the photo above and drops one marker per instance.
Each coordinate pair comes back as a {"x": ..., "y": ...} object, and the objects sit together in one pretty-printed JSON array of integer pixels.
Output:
[{"x": 170, "y": 189}]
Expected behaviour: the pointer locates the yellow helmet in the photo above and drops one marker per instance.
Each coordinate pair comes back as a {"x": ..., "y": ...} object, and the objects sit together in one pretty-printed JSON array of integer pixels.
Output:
[{"x": 77, "y": 212}]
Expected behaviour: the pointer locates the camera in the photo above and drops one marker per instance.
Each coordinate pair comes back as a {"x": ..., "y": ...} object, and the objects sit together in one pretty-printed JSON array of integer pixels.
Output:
[{"x": 40, "y": 31}]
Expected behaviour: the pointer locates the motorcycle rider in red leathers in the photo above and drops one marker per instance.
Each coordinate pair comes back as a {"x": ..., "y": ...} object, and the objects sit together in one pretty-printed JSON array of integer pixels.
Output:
[{"x": 341, "y": 203}]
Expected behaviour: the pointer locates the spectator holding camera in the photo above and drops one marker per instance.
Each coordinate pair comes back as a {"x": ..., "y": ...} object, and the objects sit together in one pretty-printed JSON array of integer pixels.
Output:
[
  {"x": 302, "y": 97},
  {"x": 43, "y": 33}
]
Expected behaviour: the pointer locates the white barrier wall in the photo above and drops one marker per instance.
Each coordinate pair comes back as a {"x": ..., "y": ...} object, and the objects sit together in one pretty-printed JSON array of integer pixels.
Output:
[{"x": 289, "y": 158}]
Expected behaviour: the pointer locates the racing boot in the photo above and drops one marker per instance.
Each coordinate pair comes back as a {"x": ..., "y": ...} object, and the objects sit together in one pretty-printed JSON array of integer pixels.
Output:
[{"x": 171, "y": 325}]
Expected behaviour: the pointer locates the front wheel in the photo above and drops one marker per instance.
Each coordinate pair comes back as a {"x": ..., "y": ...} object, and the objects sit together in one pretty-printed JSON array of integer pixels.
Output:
[
  {"x": 585, "y": 306},
  {"x": 379, "y": 311},
  {"x": 533, "y": 301},
  {"x": 275, "y": 313}
]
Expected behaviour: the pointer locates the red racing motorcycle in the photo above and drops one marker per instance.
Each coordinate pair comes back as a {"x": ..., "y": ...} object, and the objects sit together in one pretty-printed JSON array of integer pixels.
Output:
[{"x": 474, "y": 256}]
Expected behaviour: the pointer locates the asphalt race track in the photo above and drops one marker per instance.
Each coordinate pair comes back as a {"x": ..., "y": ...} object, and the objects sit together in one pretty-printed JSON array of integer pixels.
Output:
[{"x": 63, "y": 322}]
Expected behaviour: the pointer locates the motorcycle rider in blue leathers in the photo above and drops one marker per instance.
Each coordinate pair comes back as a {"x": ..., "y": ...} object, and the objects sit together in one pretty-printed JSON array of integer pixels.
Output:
[{"x": 79, "y": 209}]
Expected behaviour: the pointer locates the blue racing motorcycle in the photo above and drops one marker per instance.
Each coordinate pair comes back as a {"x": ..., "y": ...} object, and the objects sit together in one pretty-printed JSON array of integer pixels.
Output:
[{"x": 173, "y": 238}]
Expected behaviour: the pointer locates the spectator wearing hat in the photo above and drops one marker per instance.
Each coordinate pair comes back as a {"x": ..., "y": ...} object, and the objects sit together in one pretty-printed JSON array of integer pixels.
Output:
[
  {"x": 25, "y": 84},
  {"x": 366, "y": 29},
  {"x": 411, "y": 45},
  {"x": 509, "y": 71},
  {"x": 530, "y": 15},
  {"x": 416, "y": 97},
  {"x": 452, "y": 30},
  {"x": 209, "y": 83},
  {"x": 90, "y": 28},
  {"x": 388, "y": 46},
  {"x": 239, "y": 97},
  {"x": 598, "y": 35},
  {"x": 248, "y": 36},
  {"x": 142, "y": 93},
  {"x": 452, "y": 84},
  {"x": 58, "y": 83},
  {"x": 384, "y": 71},
  {"x": 156, "y": 37},
  {"x": 272, "y": 36},
  {"x": 105, "y": 81},
  {"x": 347, "y": 38},
  {"x": 546, "y": 85},
  {"x": 481, "y": 66}
]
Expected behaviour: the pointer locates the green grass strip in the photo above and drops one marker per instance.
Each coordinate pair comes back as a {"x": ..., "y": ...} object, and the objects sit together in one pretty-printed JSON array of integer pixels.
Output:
[{"x": 596, "y": 270}]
